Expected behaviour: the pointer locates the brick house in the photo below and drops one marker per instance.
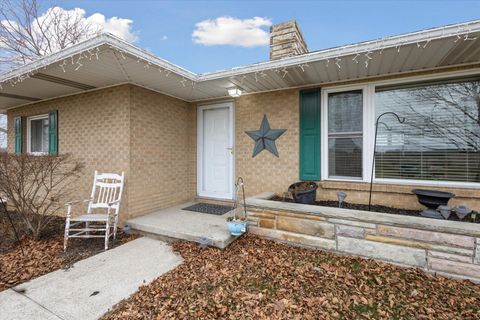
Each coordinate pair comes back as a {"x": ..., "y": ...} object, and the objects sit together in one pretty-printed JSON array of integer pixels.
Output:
[{"x": 180, "y": 135}]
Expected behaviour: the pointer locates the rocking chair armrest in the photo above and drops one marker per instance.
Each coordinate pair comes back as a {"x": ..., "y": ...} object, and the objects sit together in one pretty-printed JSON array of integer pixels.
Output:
[{"x": 110, "y": 204}]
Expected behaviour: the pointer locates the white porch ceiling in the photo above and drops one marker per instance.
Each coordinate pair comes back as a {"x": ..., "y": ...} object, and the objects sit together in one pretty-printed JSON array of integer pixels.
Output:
[{"x": 77, "y": 68}]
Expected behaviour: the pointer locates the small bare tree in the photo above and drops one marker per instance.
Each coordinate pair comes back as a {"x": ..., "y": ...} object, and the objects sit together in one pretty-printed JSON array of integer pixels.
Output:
[
  {"x": 26, "y": 34},
  {"x": 37, "y": 187}
]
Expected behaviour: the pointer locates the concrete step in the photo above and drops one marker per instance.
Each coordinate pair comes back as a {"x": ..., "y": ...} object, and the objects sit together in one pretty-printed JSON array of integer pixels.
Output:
[{"x": 175, "y": 223}]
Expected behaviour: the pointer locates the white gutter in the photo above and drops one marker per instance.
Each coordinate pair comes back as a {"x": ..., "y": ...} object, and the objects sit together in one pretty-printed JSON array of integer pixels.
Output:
[
  {"x": 352, "y": 49},
  {"x": 424, "y": 36}
]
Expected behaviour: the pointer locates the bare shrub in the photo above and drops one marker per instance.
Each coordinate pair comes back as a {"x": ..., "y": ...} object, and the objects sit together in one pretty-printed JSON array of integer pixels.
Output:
[
  {"x": 37, "y": 187},
  {"x": 27, "y": 34}
]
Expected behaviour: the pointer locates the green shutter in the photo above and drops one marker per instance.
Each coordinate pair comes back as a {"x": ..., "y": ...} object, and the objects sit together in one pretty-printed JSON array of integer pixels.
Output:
[
  {"x": 53, "y": 132},
  {"x": 18, "y": 135},
  {"x": 310, "y": 134}
]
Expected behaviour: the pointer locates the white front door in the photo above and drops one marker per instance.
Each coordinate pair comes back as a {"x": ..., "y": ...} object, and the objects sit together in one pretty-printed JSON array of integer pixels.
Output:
[{"x": 215, "y": 151}]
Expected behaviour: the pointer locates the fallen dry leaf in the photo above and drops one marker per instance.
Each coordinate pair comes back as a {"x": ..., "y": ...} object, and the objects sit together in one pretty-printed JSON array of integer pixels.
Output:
[{"x": 256, "y": 278}]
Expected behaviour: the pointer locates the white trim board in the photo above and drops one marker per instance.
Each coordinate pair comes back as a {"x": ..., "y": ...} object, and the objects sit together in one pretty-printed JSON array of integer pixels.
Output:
[{"x": 371, "y": 45}]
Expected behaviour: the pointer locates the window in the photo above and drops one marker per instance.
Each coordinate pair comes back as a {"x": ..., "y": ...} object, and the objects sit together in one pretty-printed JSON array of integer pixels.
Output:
[
  {"x": 345, "y": 134},
  {"x": 37, "y": 134},
  {"x": 440, "y": 139}
]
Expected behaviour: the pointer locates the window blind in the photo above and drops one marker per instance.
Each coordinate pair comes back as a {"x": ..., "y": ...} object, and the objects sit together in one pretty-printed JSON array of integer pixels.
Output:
[
  {"x": 345, "y": 134},
  {"x": 440, "y": 139}
]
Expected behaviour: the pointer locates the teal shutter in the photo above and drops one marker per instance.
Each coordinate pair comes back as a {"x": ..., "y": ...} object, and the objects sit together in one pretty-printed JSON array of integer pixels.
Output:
[
  {"x": 18, "y": 135},
  {"x": 310, "y": 134},
  {"x": 53, "y": 132}
]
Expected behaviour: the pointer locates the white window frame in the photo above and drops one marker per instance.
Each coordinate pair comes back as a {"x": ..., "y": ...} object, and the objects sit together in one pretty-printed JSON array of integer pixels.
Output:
[
  {"x": 369, "y": 129},
  {"x": 366, "y": 144},
  {"x": 29, "y": 131}
]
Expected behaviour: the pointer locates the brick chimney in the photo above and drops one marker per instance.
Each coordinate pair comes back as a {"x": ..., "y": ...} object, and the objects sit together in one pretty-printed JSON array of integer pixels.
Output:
[{"x": 286, "y": 40}]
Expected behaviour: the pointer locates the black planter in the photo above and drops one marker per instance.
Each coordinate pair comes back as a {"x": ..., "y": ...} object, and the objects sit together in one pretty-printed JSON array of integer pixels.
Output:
[
  {"x": 304, "y": 192},
  {"x": 432, "y": 199}
]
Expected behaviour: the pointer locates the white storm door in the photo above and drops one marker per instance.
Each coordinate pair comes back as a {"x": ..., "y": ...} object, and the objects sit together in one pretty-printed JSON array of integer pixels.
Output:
[{"x": 216, "y": 151}]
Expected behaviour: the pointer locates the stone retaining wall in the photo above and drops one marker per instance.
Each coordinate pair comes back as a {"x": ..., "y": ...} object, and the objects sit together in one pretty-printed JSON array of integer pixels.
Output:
[{"x": 445, "y": 247}]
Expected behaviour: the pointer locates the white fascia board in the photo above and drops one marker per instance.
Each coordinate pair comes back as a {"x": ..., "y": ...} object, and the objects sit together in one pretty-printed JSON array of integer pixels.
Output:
[
  {"x": 351, "y": 49},
  {"x": 103, "y": 39},
  {"x": 332, "y": 53},
  {"x": 149, "y": 57}
]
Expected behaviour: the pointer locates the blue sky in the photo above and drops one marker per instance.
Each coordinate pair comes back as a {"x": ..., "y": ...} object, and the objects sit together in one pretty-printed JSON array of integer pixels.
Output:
[{"x": 166, "y": 27}]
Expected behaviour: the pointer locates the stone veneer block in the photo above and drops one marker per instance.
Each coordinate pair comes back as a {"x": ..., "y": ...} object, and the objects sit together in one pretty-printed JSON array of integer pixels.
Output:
[
  {"x": 455, "y": 267},
  {"x": 421, "y": 245},
  {"x": 477, "y": 253},
  {"x": 429, "y": 236},
  {"x": 341, "y": 214},
  {"x": 266, "y": 223},
  {"x": 309, "y": 227},
  {"x": 383, "y": 251},
  {"x": 353, "y": 223},
  {"x": 349, "y": 231},
  {"x": 297, "y": 215},
  {"x": 295, "y": 238},
  {"x": 259, "y": 214},
  {"x": 449, "y": 256}
]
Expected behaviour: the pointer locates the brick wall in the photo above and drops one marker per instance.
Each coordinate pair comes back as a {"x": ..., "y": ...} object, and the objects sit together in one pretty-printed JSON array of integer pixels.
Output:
[
  {"x": 160, "y": 147},
  {"x": 126, "y": 128},
  {"x": 265, "y": 172},
  {"x": 93, "y": 127},
  {"x": 152, "y": 137}
]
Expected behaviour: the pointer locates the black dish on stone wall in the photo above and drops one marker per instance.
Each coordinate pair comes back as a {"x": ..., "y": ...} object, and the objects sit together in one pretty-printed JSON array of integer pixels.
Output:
[{"x": 432, "y": 199}]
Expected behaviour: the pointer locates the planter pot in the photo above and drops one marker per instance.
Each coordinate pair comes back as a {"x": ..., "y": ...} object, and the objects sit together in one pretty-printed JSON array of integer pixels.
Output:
[
  {"x": 432, "y": 199},
  {"x": 237, "y": 227},
  {"x": 304, "y": 192}
]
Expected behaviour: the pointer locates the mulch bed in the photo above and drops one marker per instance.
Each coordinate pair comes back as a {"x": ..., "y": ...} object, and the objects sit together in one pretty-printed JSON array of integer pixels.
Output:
[
  {"x": 256, "y": 278},
  {"x": 379, "y": 208},
  {"x": 44, "y": 255}
]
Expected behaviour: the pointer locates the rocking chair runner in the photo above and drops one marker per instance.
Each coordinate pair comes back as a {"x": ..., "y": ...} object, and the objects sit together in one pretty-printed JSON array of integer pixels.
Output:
[{"x": 106, "y": 196}]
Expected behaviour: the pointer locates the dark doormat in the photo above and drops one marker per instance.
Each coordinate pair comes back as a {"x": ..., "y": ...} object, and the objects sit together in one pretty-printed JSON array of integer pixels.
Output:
[{"x": 209, "y": 208}]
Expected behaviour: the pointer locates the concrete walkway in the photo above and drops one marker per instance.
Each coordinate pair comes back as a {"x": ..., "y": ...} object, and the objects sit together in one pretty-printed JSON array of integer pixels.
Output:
[{"x": 92, "y": 286}]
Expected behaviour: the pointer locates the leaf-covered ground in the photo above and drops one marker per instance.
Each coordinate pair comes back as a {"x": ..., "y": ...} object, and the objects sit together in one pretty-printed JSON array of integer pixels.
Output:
[
  {"x": 260, "y": 279},
  {"x": 44, "y": 255}
]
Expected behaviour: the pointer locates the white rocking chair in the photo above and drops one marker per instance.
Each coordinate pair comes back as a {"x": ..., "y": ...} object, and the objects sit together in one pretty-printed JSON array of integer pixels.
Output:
[{"x": 106, "y": 197}]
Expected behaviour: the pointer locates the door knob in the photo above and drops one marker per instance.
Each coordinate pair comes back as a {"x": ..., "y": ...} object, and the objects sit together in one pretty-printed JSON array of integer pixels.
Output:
[{"x": 231, "y": 150}]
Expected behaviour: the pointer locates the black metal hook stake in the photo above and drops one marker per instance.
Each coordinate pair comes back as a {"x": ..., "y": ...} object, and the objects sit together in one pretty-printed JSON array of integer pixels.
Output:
[
  {"x": 400, "y": 120},
  {"x": 13, "y": 225},
  {"x": 243, "y": 194},
  {"x": 238, "y": 184}
]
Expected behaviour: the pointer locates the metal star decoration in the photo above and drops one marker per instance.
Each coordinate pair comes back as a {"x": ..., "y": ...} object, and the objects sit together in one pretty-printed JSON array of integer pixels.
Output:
[{"x": 265, "y": 138}]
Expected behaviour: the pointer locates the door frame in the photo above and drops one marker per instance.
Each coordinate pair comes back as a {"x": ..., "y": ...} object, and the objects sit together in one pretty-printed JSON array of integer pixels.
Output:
[{"x": 200, "y": 110}]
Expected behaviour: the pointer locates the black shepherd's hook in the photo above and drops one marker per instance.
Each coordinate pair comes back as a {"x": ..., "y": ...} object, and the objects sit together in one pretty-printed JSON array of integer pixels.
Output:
[
  {"x": 400, "y": 120},
  {"x": 240, "y": 180},
  {"x": 238, "y": 184},
  {"x": 12, "y": 224}
]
